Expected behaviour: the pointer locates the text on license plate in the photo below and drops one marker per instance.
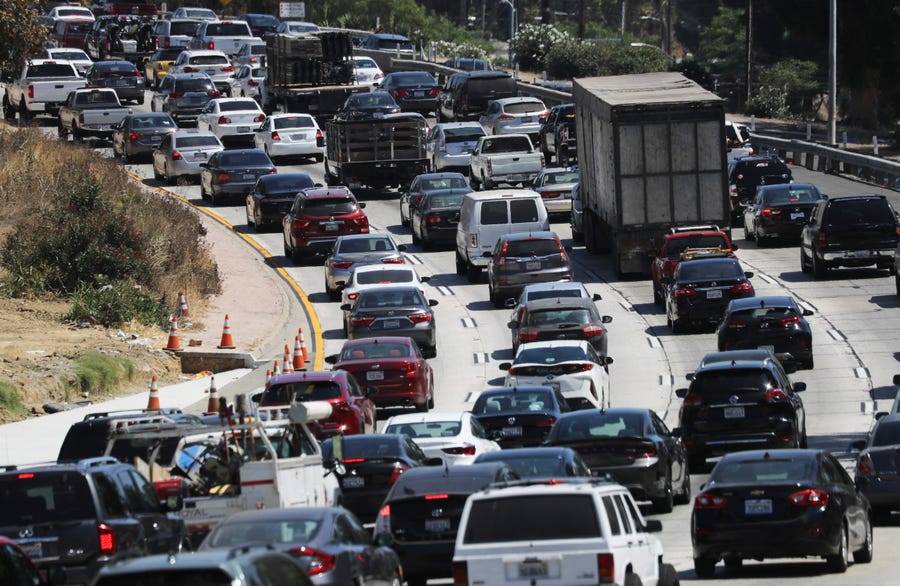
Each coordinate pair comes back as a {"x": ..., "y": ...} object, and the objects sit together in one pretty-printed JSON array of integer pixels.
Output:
[
  {"x": 391, "y": 324},
  {"x": 758, "y": 507},
  {"x": 797, "y": 215},
  {"x": 714, "y": 294},
  {"x": 526, "y": 118},
  {"x": 243, "y": 129},
  {"x": 249, "y": 176},
  {"x": 353, "y": 482},
  {"x": 533, "y": 569},
  {"x": 512, "y": 431},
  {"x": 533, "y": 265},
  {"x": 734, "y": 412},
  {"x": 437, "y": 525},
  {"x": 375, "y": 375},
  {"x": 34, "y": 550},
  {"x": 298, "y": 136},
  {"x": 331, "y": 227}
]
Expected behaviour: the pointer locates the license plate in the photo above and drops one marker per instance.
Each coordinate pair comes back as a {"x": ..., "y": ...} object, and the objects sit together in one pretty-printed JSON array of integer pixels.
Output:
[
  {"x": 758, "y": 507},
  {"x": 331, "y": 227},
  {"x": 437, "y": 525},
  {"x": 734, "y": 412},
  {"x": 353, "y": 482},
  {"x": 243, "y": 129},
  {"x": 858, "y": 253},
  {"x": 420, "y": 94},
  {"x": 156, "y": 138},
  {"x": 249, "y": 176},
  {"x": 34, "y": 550},
  {"x": 517, "y": 177},
  {"x": 533, "y": 265},
  {"x": 533, "y": 570},
  {"x": 714, "y": 294},
  {"x": 512, "y": 431},
  {"x": 200, "y": 155},
  {"x": 375, "y": 375},
  {"x": 297, "y": 136},
  {"x": 526, "y": 118},
  {"x": 797, "y": 215},
  {"x": 391, "y": 324},
  {"x": 194, "y": 99}
]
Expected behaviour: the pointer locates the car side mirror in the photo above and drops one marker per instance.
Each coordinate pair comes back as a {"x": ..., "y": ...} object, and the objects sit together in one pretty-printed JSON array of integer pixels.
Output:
[
  {"x": 362, "y": 205},
  {"x": 513, "y": 325},
  {"x": 881, "y": 414},
  {"x": 799, "y": 387},
  {"x": 401, "y": 247},
  {"x": 608, "y": 360},
  {"x": 735, "y": 247},
  {"x": 653, "y": 526},
  {"x": 432, "y": 302},
  {"x": 425, "y": 279},
  {"x": 332, "y": 359},
  {"x": 345, "y": 307},
  {"x": 434, "y": 462},
  {"x": 681, "y": 393},
  {"x": 807, "y": 312},
  {"x": 340, "y": 285},
  {"x": 677, "y": 432},
  {"x": 858, "y": 445},
  {"x": 429, "y": 353},
  {"x": 665, "y": 280},
  {"x": 509, "y": 303},
  {"x": 505, "y": 365},
  {"x": 204, "y": 165},
  {"x": 596, "y": 297},
  {"x": 606, "y": 319},
  {"x": 689, "y": 376},
  {"x": 748, "y": 274},
  {"x": 567, "y": 248},
  {"x": 897, "y": 380}
]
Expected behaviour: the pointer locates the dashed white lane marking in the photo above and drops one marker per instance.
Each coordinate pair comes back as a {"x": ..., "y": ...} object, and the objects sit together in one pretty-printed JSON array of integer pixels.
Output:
[
  {"x": 766, "y": 278},
  {"x": 861, "y": 372},
  {"x": 444, "y": 290},
  {"x": 807, "y": 305},
  {"x": 654, "y": 342},
  {"x": 413, "y": 259},
  {"x": 626, "y": 306},
  {"x": 666, "y": 379},
  {"x": 481, "y": 357},
  {"x": 468, "y": 322}
]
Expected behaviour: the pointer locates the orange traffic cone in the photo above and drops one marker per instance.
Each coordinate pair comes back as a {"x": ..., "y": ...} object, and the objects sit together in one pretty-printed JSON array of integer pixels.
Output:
[
  {"x": 288, "y": 368},
  {"x": 268, "y": 376},
  {"x": 276, "y": 370},
  {"x": 184, "y": 311},
  {"x": 212, "y": 405},
  {"x": 227, "y": 342},
  {"x": 173, "y": 342},
  {"x": 299, "y": 362},
  {"x": 303, "y": 346},
  {"x": 153, "y": 402}
]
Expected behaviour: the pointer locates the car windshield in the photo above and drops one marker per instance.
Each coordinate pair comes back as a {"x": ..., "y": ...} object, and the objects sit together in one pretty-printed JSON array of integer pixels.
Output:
[
  {"x": 395, "y": 45},
  {"x": 785, "y": 314},
  {"x": 194, "y": 84},
  {"x": 257, "y": 49},
  {"x": 523, "y": 107},
  {"x": 420, "y": 429},
  {"x": 245, "y": 159},
  {"x": 762, "y": 471},
  {"x": 262, "y": 20},
  {"x": 451, "y": 201},
  {"x": 678, "y": 245},
  {"x": 370, "y": 447},
  {"x": 502, "y": 519},
  {"x": 559, "y": 178},
  {"x": 709, "y": 271},
  {"x": 227, "y": 29},
  {"x": 465, "y": 134},
  {"x": 209, "y": 60},
  {"x": 196, "y": 141},
  {"x": 530, "y": 247},
  {"x": 183, "y": 28},
  {"x": 513, "y": 402},
  {"x": 384, "y": 276},
  {"x": 790, "y": 194},
  {"x": 600, "y": 425},
  {"x": 301, "y": 391},
  {"x": 117, "y": 67},
  {"x": 238, "y": 106},
  {"x": 412, "y": 78},
  {"x": 199, "y": 13},
  {"x": 551, "y": 355},
  {"x": 374, "y": 299},
  {"x": 293, "y": 122},
  {"x": 555, "y": 317},
  {"x": 302, "y": 28},
  {"x": 375, "y": 350},
  {"x": 236, "y": 533},
  {"x": 366, "y": 245},
  {"x": 70, "y": 55},
  {"x": 753, "y": 171},
  {"x": 43, "y": 497},
  {"x": 371, "y": 100},
  {"x": 329, "y": 206},
  {"x": 78, "y": 28},
  {"x": 443, "y": 183},
  {"x": 50, "y": 70},
  {"x": 139, "y": 122},
  {"x": 887, "y": 434},
  {"x": 169, "y": 577}
]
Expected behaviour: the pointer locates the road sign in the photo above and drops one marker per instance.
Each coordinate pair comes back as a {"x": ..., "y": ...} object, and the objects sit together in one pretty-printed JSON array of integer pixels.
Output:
[{"x": 292, "y": 9}]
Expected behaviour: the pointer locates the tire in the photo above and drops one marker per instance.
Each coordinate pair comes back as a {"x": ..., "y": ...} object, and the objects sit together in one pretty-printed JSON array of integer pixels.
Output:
[
  {"x": 668, "y": 576},
  {"x": 632, "y": 579},
  {"x": 296, "y": 257},
  {"x": 430, "y": 403},
  {"x": 423, "y": 408},
  {"x": 319, "y": 158},
  {"x": 62, "y": 133},
  {"x": 666, "y": 503},
  {"x": 748, "y": 233},
  {"x": 140, "y": 101},
  {"x": 168, "y": 179},
  {"x": 867, "y": 551},
  {"x": 203, "y": 195},
  {"x": 487, "y": 182},
  {"x": 8, "y": 111},
  {"x": 474, "y": 182},
  {"x": 460, "y": 265},
  {"x": 897, "y": 284},
  {"x": 493, "y": 297},
  {"x": 704, "y": 567},
  {"x": 676, "y": 325},
  {"x": 405, "y": 223},
  {"x": 806, "y": 265},
  {"x": 734, "y": 563},
  {"x": 809, "y": 364},
  {"x": 684, "y": 496},
  {"x": 156, "y": 174},
  {"x": 819, "y": 270},
  {"x": 657, "y": 296},
  {"x": 416, "y": 580},
  {"x": 696, "y": 462},
  {"x": 24, "y": 114},
  {"x": 415, "y": 238},
  {"x": 837, "y": 563},
  {"x": 473, "y": 273}
]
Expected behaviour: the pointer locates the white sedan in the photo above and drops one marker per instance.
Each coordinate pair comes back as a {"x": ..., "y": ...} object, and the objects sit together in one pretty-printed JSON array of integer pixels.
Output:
[
  {"x": 291, "y": 135},
  {"x": 232, "y": 119},
  {"x": 572, "y": 366},
  {"x": 246, "y": 82},
  {"x": 366, "y": 71},
  {"x": 457, "y": 438},
  {"x": 374, "y": 276}
]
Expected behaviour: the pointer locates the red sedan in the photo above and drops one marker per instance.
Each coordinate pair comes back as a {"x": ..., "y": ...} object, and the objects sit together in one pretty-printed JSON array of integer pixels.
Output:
[
  {"x": 352, "y": 409},
  {"x": 394, "y": 365}
]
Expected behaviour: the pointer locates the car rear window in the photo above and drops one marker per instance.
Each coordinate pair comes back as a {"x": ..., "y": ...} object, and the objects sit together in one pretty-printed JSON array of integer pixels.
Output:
[
  {"x": 443, "y": 183},
  {"x": 369, "y": 244},
  {"x": 719, "y": 385},
  {"x": 445, "y": 202},
  {"x": 426, "y": 428},
  {"x": 601, "y": 425},
  {"x": 464, "y": 134},
  {"x": 30, "y": 498},
  {"x": 257, "y": 49},
  {"x": 152, "y": 122},
  {"x": 554, "y": 294},
  {"x": 860, "y": 211},
  {"x": 209, "y": 60},
  {"x": 183, "y": 28},
  {"x": 515, "y": 144},
  {"x": 294, "y": 122},
  {"x": 523, "y": 211},
  {"x": 492, "y": 87},
  {"x": 251, "y": 159},
  {"x": 414, "y": 77},
  {"x": 753, "y": 171},
  {"x": 533, "y": 465},
  {"x": 50, "y": 70},
  {"x": 524, "y": 107},
  {"x": 532, "y": 247},
  {"x": 553, "y": 355},
  {"x": 169, "y": 577},
  {"x": 768, "y": 470},
  {"x": 557, "y": 317},
  {"x": 375, "y": 350},
  {"x": 196, "y": 141},
  {"x": 287, "y": 183},
  {"x": 228, "y": 29},
  {"x": 513, "y": 519},
  {"x": 78, "y": 28},
  {"x": 790, "y": 194},
  {"x": 194, "y": 84},
  {"x": 368, "y": 447},
  {"x": 302, "y": 391},
  {"x": 70, "y": 55},
  {"x": 709, "y": 271},
  {"x": 765, "y": 314},
  {"x": 167, "y": 54},
  {"x": 559, "y": 178},
  {"x": 394, "y": 45},
  {"x": 374, "y": 299},
  {"x": 678, "y": 245},
  {"x": 238, "y": 106},
  {"x": 74, "y": 12},
  {"x": 384, "y": 276},
  {"x": 329, "y": 206},
  {"x": 513, "y": 401},
  {"x": 494, "y": 212},
  {"x": 233, "y": 534}
]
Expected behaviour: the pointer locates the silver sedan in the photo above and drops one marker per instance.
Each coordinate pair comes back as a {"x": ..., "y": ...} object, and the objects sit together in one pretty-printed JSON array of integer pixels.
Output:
[
  {"x": 515, "y": 116},
  {"x": 556, "y": 185},
  {"x": 181, "y": 153},
  {"x": 355, "y": 250}
]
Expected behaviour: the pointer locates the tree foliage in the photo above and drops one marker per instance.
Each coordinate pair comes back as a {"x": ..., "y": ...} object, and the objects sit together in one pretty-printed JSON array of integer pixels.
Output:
[{"x": 22, "y": 35}]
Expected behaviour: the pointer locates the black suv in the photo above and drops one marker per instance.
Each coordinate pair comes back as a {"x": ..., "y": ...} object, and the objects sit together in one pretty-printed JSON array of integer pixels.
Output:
[
  {"x": 557, "y": 136},
  {"x": 73, "y": 519},
  {"x": 467, "y": 94},
  {"x": 745, "y": 174},
  {"x": 422, "y": 513},
  {"x": 740, "y": 400},
  {"x": 855, "y": 231}
]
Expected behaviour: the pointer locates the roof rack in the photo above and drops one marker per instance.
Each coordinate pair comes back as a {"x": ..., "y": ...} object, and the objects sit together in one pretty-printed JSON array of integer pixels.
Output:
[
  {"x": 710, "y": 252},
  {"x": 678, "y": 229},
  {"x": 124, "y": 412},
  {"x": 98, "y": 461},
  {"x": 152, "y": 423}
]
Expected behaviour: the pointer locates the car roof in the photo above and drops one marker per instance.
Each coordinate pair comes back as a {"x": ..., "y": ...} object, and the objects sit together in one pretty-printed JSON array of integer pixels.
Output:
[
  {"x": 183, "y": 132},
  {"x": 530, "y": 489},
  {"x": 448, "y": 191},
  {"x": 291, "y": 115},
  {"x": 389, "y": 37},
  {"x": 457, "y": 125},
  {"x": 555, "y": 286},
  {"x": 242, "y": 151},
  {"x": 376, "y": 268},
  {"x": 793, "y": 185},
  {"x": 537, "y": 235},
  {"x": 222, "y": 559},
  {"x": 391, "y": 289},
  {"x": 279, "y": 514},
  {"x": 325, "y": 192},
  {"x": 378, "y": 340},
  {"x": 194, "y": 75},
  {"x": 768, "y": 301},
  {"x": 446, "y": 479},
  {"x": 442, "y": 175},
  {"x": 547, "y": 170},
  {"x": 749, "y": 455},
  {"x": 405, "y": 418},
  {"x": 369, "y": 236},
  {"x": 547, "y": 452},
  {"x": 517, "y": 389},
  {"x": 553, "y": 344},
  {"x": 482, "y": 74},
  {"x": 501, "y": 193},
  {"x": 517, "y": 100},
  {"x": 277, "y": 176},
  {"x": 192, "y": 52},
  {"x": 737, "y": 359},
  {"x": 643, "y": 411},
  {"x": 315, "y": 376},
  {"x": 559, "y": 302}
]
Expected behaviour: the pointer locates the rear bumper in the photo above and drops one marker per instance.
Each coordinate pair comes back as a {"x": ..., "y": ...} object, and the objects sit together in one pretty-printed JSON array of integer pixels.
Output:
[
  {"x": 431, "y": 558},
  {"x": 809, "y": 535},
  {"x": 859, "y": 258}
]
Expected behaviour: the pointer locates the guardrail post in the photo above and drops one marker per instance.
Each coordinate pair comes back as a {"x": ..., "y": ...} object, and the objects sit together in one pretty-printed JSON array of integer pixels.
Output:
[
  {"x": 808, "y": 131},
  {"x": 875, "y": 144},
  {"x": 844, "y": 139},
  {"x": 753, "y": 123}
]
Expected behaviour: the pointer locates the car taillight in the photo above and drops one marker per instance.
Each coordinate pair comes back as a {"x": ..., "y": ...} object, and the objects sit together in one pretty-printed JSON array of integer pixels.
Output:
[
  {"x": 606, "y": 568},
  {"x": 810, "y": 497},
  {"x": 224, "y": 120},
  {"x": 211, "y": 45},
  {"x": 769, "y": 212},
  {"x": 300, "y": 224},
  {"x": 352, "y": 296},
  {"x": 253, "y": 59},
  {"x": 419, "y": 318},
  {"x": 214, "y": 93},
  {"x": 26, "y": 476},
  {"x": 544, "y": 115},
  {"x": 275, "y": 135},
  {"x": 260, "y": 118},
  {"x": 31, "y": 91},
  {"x": 176, "y": 95},
  {"x": 398, "y": 471},
  {"x": 684, "y": 292},
  {"x": 641, "y": 453},
  {"x": 710, "y": 501},
  {"x": 321, "y": 562},
  {"x": 823, "y": 239},
  {"x": 736, "y": 324},
  {"x": 135, "y": 136},
  {"x": 864, "y": 465},
  {"x": 592, "y": 331},
  {"x": 550, "y": 194},
  {"x": 341, "y": 264},
  {"x": 504, "y": 117},
  {"x": 378, "y": 75},
  {"x": 465, "y": 450},
  {"x": 341, "y": 407},
  {"x": 106, "y": 539},
  {"x": 432, "y": 219},
  {"x": 383, "y": 521},
  {"x": 363, "y": 223},
  {"x": 393, "y": 260},
  {"x": 490, "y": 168},
  {"x": 176, "y": 156},
  {"x": 410, "y": 368},
  {"x": 81, "y": 118},
  {"x": 362, "y": 321},
  {"x": 252, "y": 83},
  {"x": 402, "y": 93},
  {"x": 545, "y": 422},
  {"x": 790, "y": 320},
  {"x": 562, "y": 252},
  {"x": 191, "y": 70},
  {"x": 434, "y": 92},
  {"x": 743, "y": 288},
  {"x": 137, "y": 74},
  {"x": 528, "y": 334},
  {"x": 692, "y": 399},
  {"x": 223, "y": 178},
  {"x": 460, "y": 573},
  {"x": 543, "y": 161},
  {"x": 320, "y": 138},
  {"x": 166, "y": 42},
  {"x": 775, "y": 395},
  {"x": 502, "y": 259}
]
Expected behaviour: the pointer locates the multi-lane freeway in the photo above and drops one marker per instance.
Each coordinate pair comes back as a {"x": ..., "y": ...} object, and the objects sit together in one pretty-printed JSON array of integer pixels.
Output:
[{"x": 856, "y": 329}]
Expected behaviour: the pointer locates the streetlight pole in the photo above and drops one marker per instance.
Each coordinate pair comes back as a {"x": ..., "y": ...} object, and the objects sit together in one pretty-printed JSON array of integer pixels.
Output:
[
  {"x": 832, "y": 72},
  {"x": 512, "y": 26}
]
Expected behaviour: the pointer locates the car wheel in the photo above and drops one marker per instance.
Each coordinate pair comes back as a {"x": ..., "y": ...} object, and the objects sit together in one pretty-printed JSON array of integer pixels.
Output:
[
  {"x": 213, "y": 198},
  {"x": 126, "y": 158},
  {"x": 152, "y": 106},
  {"x": 665, "y": 503},
  {"x": 296, "y": 256},
  {"x": 460, "y": 265},
  {"x": 657, "y": 296},
  {"x": 865, "y": 553},
  {"x": 24, "y": 114},
  {"x": 820, "y": 271},
  {"x": 696, "y": 461},
  {"x": 61, "y": 132},
  {"x": 156, "y": 174},
  {"x": 250, "y": 220},
  {"x": 8, "y": 111},
  {"x": 77, "y": 136},
  {"x": 415, "y": 237},
  {"x": 684, "y": 495},
  {"x": 318, "y": 158},
  {"x": 431, "y": 398},
  {"x": 203, "y": 195},
  {"x": 734, "y": 563},
  {"x": 487, "y": 182},
  {"x": 632, "y": 579},
  {"x": 837, "y": 563},
  {"x": 676, "y": 325},
  {"x": 897, "y": 284},
  {"x": 748, "y": 233},
  {"x": 168, "y": 179},
  {"x": 474, "y": 182},
  {"x": 404, "y": 221},
  {"x": 705, "y": 567},
  {"x": 416, "y": 580},
  {"x": 395, "y": 581},
  {"x": 140, "y": 101},
  {"x": 805, "y": 264},
  {"x": 422, "y": 408},
  {"x": 473, "y": 272},
  {"x": 668, "y": 576}
]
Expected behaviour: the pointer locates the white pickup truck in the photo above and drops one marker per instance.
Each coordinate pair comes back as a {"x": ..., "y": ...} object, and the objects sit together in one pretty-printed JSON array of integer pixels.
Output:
[
  {"x": 42, "y": 88},
  {"x": 227, "y": 36},
  {"x": 509, "y": 158},
  {"x": 219, "y": 471},
  {"x": 90, "y": 112}
]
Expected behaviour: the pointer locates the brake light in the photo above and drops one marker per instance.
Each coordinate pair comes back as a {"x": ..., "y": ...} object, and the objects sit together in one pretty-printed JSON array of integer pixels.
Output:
[
  {"x": 432, "y": 219},
  {"x": 743, "y": 288},
  {"x": 189, "y": 69},
  {"x": 362, "y": 321},
  {"x": 769, "y": 212},
  {"x": 252, "y": 83},
  {"x": 545, "y": 422},
  {"x": 321, "y": 562},
  {"x": 710, "y": 501},
  {"x": 544, "y": 115},
  {"x": 378, "y": 75},
  {"x": 223, "y": 178},
  {"x": 176, "y": 95},
  {"x": 460, "y": 574},
  {"x": 790, "y": 320},
  {"x": 211, "y": 45},
  {"x": 550, "y": 194},
  {"x": 398, "y": 471},
  {"x": 31, "y": 91},
  {"x": 810, "y": 497},
  {"x": 214, "y": 93},
  {"x": 434, "y": 92},
  {"x": 402, "y": 93},
  {"x": 341, "y": 264},
  {"x": 352, "y": 296},
  {"x": 490, "y": 168},
  {"x": 394, "y": 260},
  {"x": 134, "y": 136},
  {"x": 106, "y": 539},
  {"x": 543, "y": 161},
  {"x": 166, "y": 42},
  {"x": 437, "y": 497},
  {"x": 692, "y": 399},
  {"x": 528, "y": 334},
  {"x": 353, "y": 460},
  {"x": 363, "y": 223},
  {"x": 224, "y": 120},
  {"x": 260, "y": 118},
  {"x": 300, "y": 224},
  {"x": 502, "y": 259},
  {"x": 252, "y": 59},
  {"x": 592, "y": 331},
  {"x": 473, "y": 240},
  {"x": 863, "y": 466},
  {"x": 81, "y": 118},
  {"x": 606, "y": 567},
  {"x": 562, "y": 252},
  {"x": 466, "y": 450},
  {"x": 823, "y": 239},
  {"x": 341, "y": 407},
  {"x": 176, "y": 156},
  {"x": 642, "y": 452},
  {"x": 137, "y": 74},
  {"x": 419, "y": 318},
  {"x": 505, "y": 117},
  {"x": 275, "y": 135},
  {"x": 26, "y": 476},
  {"x": 736, "y": 324},
  {"x": 683, "y": 292},
  {"x": 775, "y": 395}
]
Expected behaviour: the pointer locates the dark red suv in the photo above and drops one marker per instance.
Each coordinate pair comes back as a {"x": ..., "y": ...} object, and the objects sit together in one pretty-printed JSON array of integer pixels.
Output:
[
  {"x": 701, "y": 239},
  {"x": 352, "y": 409},
  {"x": 318, "y": 217}
]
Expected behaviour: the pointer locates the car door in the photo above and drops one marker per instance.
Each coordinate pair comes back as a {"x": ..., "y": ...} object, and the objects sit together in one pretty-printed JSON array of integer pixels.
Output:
[
  {"x": 842, "y": 489},
  {"x": 121, "y": 129},
  {"x": 638, "y": 542},
  {"x": 489, "y": 117},
  {"x": 145, "y": 507},
  {"x": 207, "y": 173},
  {"x": 159, "y": 154},
  {"x": 676, "y": 451},
  {"x": 261, "y": 138},
  {"x": 377, "y": 562}
]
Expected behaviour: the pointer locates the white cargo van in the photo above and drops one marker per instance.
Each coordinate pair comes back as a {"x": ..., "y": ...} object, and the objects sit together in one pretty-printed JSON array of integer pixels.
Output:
[{"x": 487, "y": 215}]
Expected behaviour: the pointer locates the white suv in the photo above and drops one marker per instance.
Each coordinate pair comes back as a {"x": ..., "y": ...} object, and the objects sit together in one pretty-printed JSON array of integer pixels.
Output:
[{"x": 567, "y": 534}]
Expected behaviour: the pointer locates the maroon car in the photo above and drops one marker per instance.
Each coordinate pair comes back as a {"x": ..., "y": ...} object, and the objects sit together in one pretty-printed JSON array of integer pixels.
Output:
[
  {"x": 392, "y": 364},
  {"x": 352, "y": 409},
  {"x": 318, "y": 217}
]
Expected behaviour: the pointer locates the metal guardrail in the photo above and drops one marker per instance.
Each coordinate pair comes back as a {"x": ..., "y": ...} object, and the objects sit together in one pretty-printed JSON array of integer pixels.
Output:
[{"x": 811, "y": 155}]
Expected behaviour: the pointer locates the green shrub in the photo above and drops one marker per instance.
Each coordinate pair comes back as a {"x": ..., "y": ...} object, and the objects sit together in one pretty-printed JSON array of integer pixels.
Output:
[
  {"x": 97, "y": 372},
  {"x": 532, "y": 43},
  {"x": 117, "y": 302},
  {"x": 571, "y": 58},
  {"x": 768, "y": 102},
  {"x": 464, "y": 50},
  {"x": 10, "y": 400}
]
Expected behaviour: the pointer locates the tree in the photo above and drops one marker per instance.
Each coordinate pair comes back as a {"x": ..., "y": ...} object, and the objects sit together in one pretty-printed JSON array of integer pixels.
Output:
[{"x": 22, "y": 35}]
